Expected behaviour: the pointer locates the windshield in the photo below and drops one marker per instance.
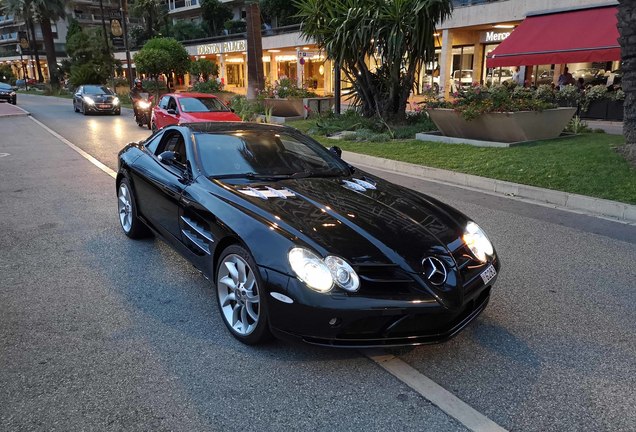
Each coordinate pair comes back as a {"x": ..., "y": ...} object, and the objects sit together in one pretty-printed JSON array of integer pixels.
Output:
[
  {"x": 201, "y": 104},
  {"x": 93, "y": 89},
  {"x": 260, "y": 154}
]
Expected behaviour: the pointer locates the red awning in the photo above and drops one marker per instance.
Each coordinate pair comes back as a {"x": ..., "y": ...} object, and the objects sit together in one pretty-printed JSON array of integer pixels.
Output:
[{"x": 588, "y": 35}]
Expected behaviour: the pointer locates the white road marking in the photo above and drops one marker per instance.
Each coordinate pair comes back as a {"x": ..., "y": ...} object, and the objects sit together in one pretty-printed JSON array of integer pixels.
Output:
[
  {"x": 436, "y": 394},
  {"x": 4, "y": 155},
  {"x": 90, "y": 158}
]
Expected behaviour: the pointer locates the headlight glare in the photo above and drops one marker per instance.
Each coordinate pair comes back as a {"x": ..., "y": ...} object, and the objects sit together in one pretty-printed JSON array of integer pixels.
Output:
[
  {"x": 477, "y": 241},
  {"x": 116, "y": 101},
  {"x": 144, "y": 104},
  {"x": 344, "y": 276},
  {"x": 89, "y": 100},
  {"x": 311, "y": 269}
]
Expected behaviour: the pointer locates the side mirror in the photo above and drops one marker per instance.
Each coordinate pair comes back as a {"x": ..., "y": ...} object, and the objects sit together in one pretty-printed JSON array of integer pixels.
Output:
[
  {"x": 173, "y": 111},
  {"x": 336, "y": 150},
  {"x": 168, "y": 157}
]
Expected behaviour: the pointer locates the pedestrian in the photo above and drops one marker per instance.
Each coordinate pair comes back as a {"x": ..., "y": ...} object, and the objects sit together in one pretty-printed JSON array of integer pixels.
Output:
[{"x": 565, "y": 78}]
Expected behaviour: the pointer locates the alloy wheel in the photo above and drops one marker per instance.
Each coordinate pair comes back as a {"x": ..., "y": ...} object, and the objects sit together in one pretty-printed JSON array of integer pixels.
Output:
[
  {"x": 125, "y": 207},
  {"x": 238, "y": 293}
]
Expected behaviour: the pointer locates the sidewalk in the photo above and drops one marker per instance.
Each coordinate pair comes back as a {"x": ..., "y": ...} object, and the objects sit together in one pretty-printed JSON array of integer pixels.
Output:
[{"x": 8, "y": 110}]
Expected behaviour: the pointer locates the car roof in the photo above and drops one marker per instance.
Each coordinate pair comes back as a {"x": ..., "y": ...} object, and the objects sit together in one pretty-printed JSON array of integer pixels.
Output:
[
  {"x": 191, "y": 94},
  {"x": 230, "y": 127}
]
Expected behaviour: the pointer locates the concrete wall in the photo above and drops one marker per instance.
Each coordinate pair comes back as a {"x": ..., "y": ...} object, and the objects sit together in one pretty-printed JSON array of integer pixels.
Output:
[{"x": 511, "y": 10}]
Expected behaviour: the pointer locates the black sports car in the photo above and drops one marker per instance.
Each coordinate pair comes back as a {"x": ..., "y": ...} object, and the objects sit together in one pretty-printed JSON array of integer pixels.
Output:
[
  {"x": 299, "y": 243},
  {"x": 96, "y": 99},
  {"x": 7, "y": 93}
]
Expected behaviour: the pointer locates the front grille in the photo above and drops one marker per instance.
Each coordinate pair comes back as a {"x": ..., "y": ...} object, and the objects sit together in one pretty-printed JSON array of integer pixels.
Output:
[
  {"x": 384, "y": 279},
  {"x": 468, "y": 267}
]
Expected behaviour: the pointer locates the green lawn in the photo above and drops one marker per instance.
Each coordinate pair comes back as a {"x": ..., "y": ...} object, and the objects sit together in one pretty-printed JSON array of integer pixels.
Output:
[{"x": 587, "y": 164}]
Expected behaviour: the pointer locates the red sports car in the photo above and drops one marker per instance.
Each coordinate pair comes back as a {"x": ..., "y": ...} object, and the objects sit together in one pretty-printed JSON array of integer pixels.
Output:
[{"x": 175, "y": 108}]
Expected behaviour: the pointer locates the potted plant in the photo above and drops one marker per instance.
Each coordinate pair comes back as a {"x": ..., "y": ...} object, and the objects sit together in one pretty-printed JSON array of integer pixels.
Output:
[
  {"x": 500, "y": 114},
  {"x": 594, "y": 102},
  {"x": 286, "y": 99}
]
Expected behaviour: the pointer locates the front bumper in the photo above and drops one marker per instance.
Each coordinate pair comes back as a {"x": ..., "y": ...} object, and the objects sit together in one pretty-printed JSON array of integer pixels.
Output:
[
  {"x": 7, "y": 97},
  {"x": 343, "y": 320},
  {"x": 102, "y": 108}
]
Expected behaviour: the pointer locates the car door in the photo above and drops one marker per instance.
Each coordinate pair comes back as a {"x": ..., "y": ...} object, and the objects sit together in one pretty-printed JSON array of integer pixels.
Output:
[
  {"x": 159, "y": 184},
  {"x": 160, "y": 112},
  {"x": 172, "y": 112}
]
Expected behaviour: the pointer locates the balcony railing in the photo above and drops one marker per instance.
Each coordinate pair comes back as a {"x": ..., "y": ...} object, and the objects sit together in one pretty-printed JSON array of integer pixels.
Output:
[
  {"x": 9, "y": 37},
  {"x": 179, "y": 4},
  {"x": 6, "y": 19}
]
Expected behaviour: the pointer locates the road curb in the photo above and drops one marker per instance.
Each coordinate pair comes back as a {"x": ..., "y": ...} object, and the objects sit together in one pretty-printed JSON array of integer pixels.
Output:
[
  {"x": 23, "y": 113},
  {"x": 578, "y": 203}
]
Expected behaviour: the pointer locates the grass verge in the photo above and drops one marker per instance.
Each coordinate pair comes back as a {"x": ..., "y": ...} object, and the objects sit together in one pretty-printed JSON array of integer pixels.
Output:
[{"x": 586, "y": 164}]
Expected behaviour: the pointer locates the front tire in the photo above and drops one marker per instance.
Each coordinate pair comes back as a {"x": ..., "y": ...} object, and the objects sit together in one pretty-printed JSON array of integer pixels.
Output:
[
  {"x": 241, "y": 296},
  {"x": 83, "y": 108},
  {"x": 132, "y": 226}
]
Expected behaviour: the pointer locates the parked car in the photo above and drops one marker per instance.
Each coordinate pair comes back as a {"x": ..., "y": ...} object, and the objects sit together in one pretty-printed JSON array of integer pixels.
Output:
[
  {"x": 591, "y": 76},
  {"x": 95, "y": 98},
  {"x": 461, "y": 79},
  {"x": 499, "y": 76},
  {"x": 175, "y": 108},
  {"x": 299, "y": 243},
  {"x": 7, "y": 93},
  {"x": 546, "y": 77}
]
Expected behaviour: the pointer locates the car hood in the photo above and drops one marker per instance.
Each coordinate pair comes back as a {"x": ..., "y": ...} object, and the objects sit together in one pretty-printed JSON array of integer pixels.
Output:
[
  {"x": 363, "y": 219},
  {"x": 209, "y": 116}
]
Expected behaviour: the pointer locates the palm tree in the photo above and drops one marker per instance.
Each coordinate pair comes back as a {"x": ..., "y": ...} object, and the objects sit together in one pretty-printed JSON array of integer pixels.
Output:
[
  {"x": 255, "y": 74},
  {"x": 397, "y": 33},
  {"x": 45, "y": 12},
  {"x": 627, "y": 27},
  {"x": 24, "y": 9}
]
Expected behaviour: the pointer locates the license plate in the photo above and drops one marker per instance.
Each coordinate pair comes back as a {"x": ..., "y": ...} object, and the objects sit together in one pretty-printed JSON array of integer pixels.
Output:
[
  {"x": 103, "y": 106},
  {"x": 488, "y": 274}
]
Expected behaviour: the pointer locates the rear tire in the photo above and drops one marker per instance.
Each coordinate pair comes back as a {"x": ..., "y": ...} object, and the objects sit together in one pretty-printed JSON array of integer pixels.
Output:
[
  {"x": 241, "y": 296},
  {"x": 132, "y": 226}
]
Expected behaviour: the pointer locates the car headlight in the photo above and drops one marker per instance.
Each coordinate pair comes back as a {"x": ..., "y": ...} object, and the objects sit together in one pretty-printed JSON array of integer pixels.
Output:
[
  {"x": 477, "y": 241},
  {"x": 321, "y": 274},
  {"x": 89, "y": 100},
  {"x": 116, "y": 101}
]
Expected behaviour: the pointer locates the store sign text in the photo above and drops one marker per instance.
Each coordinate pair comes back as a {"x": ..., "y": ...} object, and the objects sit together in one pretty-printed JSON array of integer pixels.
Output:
[
  {"x": 222, "y": 47},
  {"x": 493, "y": 36}
]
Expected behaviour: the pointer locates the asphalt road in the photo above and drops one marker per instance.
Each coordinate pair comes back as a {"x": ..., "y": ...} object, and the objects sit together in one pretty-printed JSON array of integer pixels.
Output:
[{"x": 98, "y": 332}]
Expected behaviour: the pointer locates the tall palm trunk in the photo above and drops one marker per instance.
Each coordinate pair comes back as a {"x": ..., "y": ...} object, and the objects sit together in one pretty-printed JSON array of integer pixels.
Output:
[
  {"x": 255, "y": 73},
  {"x": 627, "y": 28},
  {"x": 34, "y": 46},
  {"x": 49, "y": 49}
]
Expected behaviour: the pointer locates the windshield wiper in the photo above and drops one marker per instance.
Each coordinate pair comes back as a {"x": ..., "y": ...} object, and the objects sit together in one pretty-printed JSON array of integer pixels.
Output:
[{"x": 305, "y": 174}]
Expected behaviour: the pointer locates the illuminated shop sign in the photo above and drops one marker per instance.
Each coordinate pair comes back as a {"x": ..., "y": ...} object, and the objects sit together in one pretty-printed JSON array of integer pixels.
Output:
[
  {"x": 493, "y": 36},
  {"x": 222, "y": 47}
]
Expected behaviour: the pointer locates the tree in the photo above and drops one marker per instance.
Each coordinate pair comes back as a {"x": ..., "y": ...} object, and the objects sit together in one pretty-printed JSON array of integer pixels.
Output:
[
  {"x": 89, "y": 62},
  {"x": 627, "y": 28},
  {"x": 204, "y": 67},
  {"x": 162, "y": 56},
  {"x": 6, "y": 74},
  {"x": 186, "y": 30},
  {"x": 215, "y": 14},
  {"x": 153, "y": 12},
  {"x": 398, "y": 33},
  {"x": 24, "y": 9},
  {"x": 279, "y": 12},
  {"x": 255, "y": 72},
  {"x": 45, "y": 12}
]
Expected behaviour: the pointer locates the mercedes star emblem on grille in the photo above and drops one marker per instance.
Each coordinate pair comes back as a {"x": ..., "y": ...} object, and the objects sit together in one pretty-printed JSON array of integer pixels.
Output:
[{"x": 434, "y": 270}]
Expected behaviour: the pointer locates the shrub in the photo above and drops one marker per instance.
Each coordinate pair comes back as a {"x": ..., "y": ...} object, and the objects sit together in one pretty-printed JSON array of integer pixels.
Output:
[
  {"x": 285, "y": 88},
  {"x": 211, "y": 86},
  {"x": 245, "y": 109},
  {"x": 88, "y": 73},
  {"x": 568, "y": 95}
]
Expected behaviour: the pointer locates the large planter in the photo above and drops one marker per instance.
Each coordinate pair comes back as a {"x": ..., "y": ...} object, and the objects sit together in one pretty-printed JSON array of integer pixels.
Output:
[
  {"x": 297, "y": 107},
  {"x": 596, "y": 110},
  {"x": 503, "y": 127},
  {"x": 615, "y": 111}
]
